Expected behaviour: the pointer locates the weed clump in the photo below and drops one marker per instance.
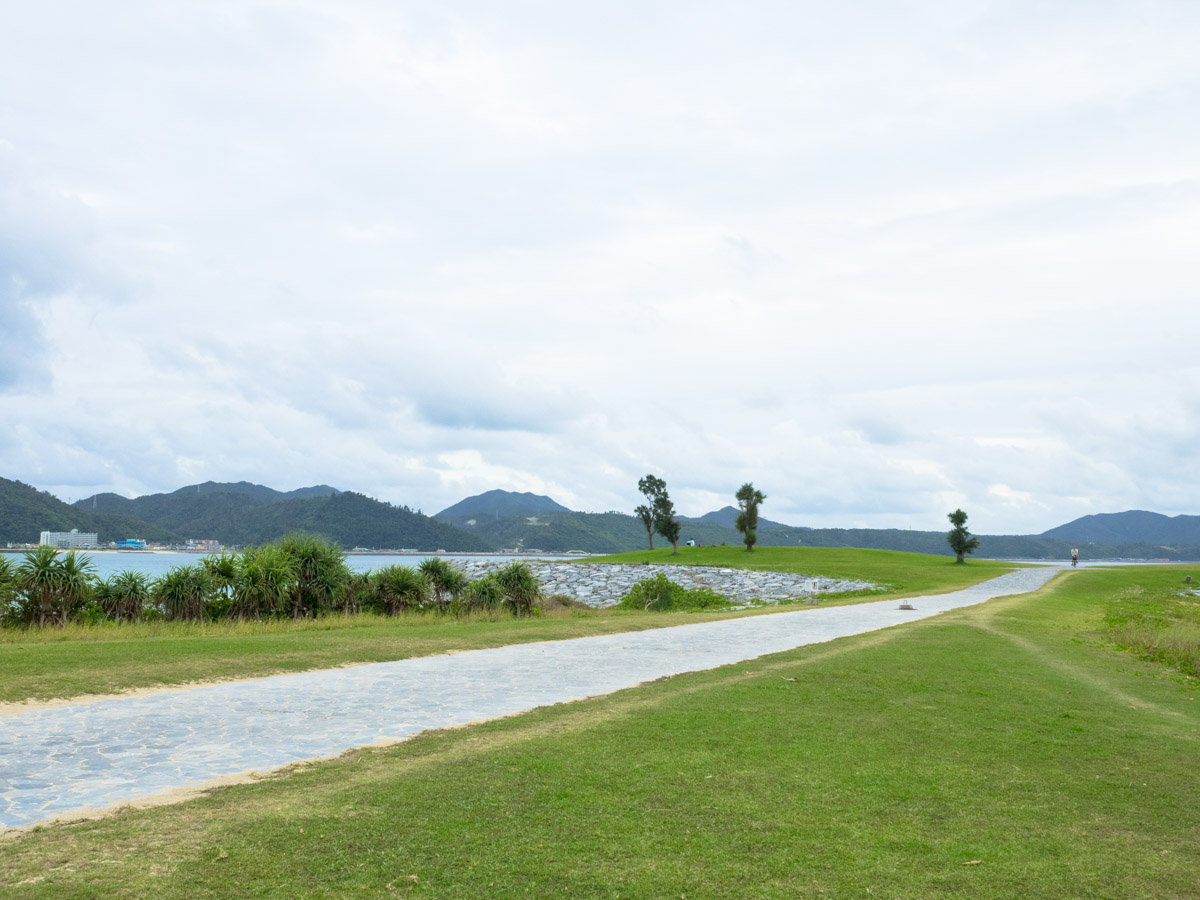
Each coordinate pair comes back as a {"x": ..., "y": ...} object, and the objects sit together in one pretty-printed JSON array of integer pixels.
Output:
[{"x": 1162, "y": 625}]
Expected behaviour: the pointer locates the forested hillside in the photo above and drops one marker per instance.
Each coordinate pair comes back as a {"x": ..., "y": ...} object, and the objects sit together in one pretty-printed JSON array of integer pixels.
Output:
[
  {"x": 243, "y": 513},
  {"x": 25, "y": 512}
]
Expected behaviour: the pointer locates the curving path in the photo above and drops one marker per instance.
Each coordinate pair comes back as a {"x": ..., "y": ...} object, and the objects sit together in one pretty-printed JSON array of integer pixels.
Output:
[{"x": 60, "y": 760}]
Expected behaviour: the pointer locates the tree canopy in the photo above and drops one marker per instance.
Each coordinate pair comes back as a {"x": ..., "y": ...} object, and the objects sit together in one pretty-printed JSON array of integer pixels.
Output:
[
  {"x": 961, "y": 541},
  {"x": 749, "y": 500}
]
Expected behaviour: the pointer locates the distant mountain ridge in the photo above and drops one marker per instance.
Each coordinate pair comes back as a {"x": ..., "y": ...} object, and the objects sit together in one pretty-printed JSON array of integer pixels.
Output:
[
  {"x": 499, "y": 503},
  {"x": 244, "y": 513},
  {"x": 1132, "y": 525},
  {"x": 257, "y": 491},
  {"x": 726, "y": 517}
]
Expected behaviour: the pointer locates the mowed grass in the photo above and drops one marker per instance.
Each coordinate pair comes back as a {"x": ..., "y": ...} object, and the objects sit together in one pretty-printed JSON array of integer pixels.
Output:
[
  {"x": 42, "y": 664},
  {"x": 1004, "y": 750}
]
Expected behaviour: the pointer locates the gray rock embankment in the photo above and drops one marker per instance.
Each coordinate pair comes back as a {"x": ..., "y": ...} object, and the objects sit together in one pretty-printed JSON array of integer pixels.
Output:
[{"x": 602, "y": 585}]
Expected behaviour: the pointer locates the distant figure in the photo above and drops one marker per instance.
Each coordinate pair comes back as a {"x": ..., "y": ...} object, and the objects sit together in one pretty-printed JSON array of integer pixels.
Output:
[{"x": 1074, "y": 557}]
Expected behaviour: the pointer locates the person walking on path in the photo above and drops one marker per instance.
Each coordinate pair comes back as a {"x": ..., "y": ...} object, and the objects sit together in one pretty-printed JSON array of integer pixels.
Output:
[{"x": 1074, "y": 556}]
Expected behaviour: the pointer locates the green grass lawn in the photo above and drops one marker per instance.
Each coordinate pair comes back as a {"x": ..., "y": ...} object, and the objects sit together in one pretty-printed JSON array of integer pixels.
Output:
[
  {"x": 49, "y": 663},
  {"x": 999, "y": 751}
]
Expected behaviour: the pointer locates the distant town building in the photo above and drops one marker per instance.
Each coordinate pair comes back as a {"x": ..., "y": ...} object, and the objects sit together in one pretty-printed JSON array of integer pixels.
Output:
[
  {"x": 203, "y": 546},
  {"x": 131, "y": 544},
  {"x": 69, "y": 540}
]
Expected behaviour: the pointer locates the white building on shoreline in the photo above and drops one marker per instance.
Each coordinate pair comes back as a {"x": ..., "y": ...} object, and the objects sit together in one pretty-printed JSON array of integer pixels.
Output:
[{"x": 70, "y": 540}]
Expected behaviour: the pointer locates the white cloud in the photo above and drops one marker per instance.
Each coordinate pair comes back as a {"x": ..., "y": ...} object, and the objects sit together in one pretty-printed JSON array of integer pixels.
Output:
[{"x": 881, "y": 261}]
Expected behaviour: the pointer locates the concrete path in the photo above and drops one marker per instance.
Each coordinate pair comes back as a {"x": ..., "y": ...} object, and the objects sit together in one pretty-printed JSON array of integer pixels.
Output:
[{"x": 60, "y": 760}]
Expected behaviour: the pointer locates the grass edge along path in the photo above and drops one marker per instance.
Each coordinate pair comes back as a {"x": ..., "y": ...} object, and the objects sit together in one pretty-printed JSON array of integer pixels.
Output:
[
  {"x": 994, "y": 751},
  {"x": 86, "y": 662}
]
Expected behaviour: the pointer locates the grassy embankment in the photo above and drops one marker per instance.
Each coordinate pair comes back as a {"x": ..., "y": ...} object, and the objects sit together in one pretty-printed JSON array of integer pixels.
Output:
[
  {"x": 1004, "y": 750},
  {"x": 100, "y": 659}
]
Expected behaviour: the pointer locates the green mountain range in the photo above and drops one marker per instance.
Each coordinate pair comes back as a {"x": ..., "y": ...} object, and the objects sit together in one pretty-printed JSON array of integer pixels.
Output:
[
  {"x": 242, "y": 513},
  {"x": 234, "y": 514}
]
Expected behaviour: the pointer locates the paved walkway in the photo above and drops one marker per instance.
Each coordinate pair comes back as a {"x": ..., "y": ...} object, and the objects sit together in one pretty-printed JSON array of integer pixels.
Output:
[{"x": 58, "y": 760}]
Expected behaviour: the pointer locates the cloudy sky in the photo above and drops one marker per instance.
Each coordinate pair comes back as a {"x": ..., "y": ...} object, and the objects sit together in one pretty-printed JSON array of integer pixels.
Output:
[{"x": 881, "y": 259}]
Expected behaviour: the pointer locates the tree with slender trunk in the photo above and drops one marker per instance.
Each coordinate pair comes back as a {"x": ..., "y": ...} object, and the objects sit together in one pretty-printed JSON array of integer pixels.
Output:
[
  {"x": 664, "y": 520},
  {"x": 652, "y": 488},
  {"x": 748, "y": 500},
  {"x": 961, "y": 541},
  {"x": 646, "y": 514}
]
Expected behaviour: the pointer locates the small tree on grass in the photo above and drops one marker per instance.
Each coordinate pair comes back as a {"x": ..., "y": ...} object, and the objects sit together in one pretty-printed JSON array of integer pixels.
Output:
[
  {"x": 664, "y": 520},
  {"x": 652, "y": 487},
  {"x": 747, "y": 521},
  {"x": 961, "y": 541}
]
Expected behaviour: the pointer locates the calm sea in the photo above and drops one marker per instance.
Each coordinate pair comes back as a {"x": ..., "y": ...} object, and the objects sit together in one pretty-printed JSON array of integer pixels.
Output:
[{"x": 154, "y": 564}]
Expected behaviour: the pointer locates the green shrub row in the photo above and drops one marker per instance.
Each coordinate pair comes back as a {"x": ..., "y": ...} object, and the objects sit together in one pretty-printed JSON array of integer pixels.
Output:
[{"x": 296, "y": 577}]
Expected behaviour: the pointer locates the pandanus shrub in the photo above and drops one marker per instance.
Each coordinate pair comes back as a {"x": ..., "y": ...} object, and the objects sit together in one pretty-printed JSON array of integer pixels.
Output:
[
  {"x": 321, "y": 573},
  {"x": 38, "y": 579},
  {"x": 183, "y": 593},
  {"x": 481, "y": 594},
  {"x": 264, "y": 583},
  {"x": 222, "y": 569},
  {"x": 521, "y": 587},
  {"x": 9, "y": 608},
  {"x": 356, "y": 593},
  {"x": 53, "y": 588},
  {"x": 445, "y": 581},
  {"x": 124, "y": 596},
  {"x": 399, "y": 588}
]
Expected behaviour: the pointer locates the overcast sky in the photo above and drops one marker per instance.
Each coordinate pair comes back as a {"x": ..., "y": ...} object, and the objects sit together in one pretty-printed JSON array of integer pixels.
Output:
[{"x": 883, "y": 260}]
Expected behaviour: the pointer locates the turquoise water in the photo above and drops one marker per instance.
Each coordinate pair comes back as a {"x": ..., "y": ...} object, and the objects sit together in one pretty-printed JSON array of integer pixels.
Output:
[{"x": 154, "y": 564}]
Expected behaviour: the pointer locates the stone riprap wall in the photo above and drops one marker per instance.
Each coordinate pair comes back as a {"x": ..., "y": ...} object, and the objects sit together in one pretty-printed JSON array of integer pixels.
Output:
[{"x": 603, "y": 585}]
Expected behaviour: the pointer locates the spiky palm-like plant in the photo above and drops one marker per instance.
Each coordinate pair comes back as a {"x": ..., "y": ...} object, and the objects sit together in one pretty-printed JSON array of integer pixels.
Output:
[
  {"x": 265, "y": 582},
  {"x": 521, "y": 587},
  {"x": 124, "y": 596},
  {"x": 183, "y": 593},
  {"x": 401, "y": 587},
  {"x": 355, "y": 593},
  {"x": 8, "y": 588},
  {"x": 222, "y": 569},
  {"x": 38, "y": 579},
  {"x": 321, "y": 573},
  {"x": 483, "y": 593},
  {"x": 445, "y": 581},
  {"x": 75, "y": 585}
]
